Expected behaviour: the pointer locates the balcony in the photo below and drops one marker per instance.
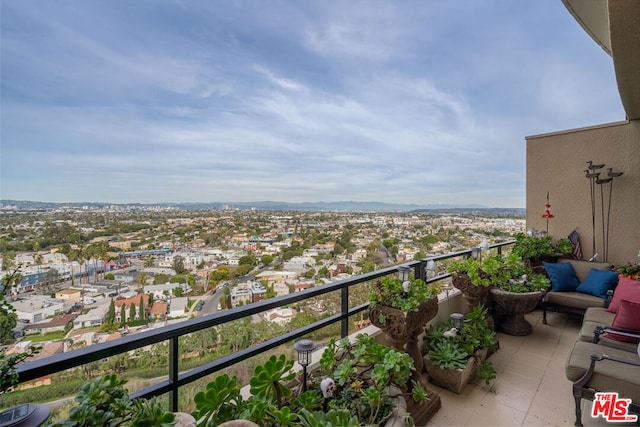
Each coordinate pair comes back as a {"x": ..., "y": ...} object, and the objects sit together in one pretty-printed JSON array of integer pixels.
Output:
[{"x": 530, "y": 388}]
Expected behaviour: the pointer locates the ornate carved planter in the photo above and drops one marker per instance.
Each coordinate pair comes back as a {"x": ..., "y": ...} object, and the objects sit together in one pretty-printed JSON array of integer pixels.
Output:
[
  {"x": 473, "y": 295},
  {"x": 514, "y": 306},
  {"x": 402, "y": 329}
]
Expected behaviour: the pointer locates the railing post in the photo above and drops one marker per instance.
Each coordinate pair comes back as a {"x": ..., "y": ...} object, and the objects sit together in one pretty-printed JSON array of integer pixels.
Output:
[
  {"x": 173, "y": 374},
  {"x": 344, "y": 323},
  {"x": 420, "y": 271}
]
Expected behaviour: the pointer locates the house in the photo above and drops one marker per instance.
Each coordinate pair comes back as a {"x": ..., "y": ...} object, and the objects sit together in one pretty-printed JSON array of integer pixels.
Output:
[
  {"x": 57, "y": 324},
  {"x": 127, "y": 303},
  {"x": 241, "y": 295},
  {"x": 281, "y": 289},
  {"x": 34, "y": 308},
  {"x": 178, "y": 307},
  {"x": 281, "y": 316},
  {"x": 258, "y": 292},
  {"x": 69, "y": 295},
  {"x": 94, "y": 317},
  {"x": 166, "y": 291},
  {"x": 159, "y": 311},
  {"x": 301, "y": 286},
  {"x": 270, "y": 276}
]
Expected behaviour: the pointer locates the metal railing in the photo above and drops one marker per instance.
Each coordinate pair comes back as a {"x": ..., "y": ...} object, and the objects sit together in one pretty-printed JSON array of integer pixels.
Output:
[{"x": 31, "y": 370}]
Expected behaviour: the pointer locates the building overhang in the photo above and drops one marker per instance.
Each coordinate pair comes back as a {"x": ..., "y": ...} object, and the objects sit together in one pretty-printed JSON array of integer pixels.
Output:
[{"x": 615, "y": 26}]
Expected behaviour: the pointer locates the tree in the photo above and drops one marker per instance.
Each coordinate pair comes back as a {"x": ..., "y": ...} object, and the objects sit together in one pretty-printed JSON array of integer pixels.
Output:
[
  {"x": 109, "y": 276},
  {"x": 148, "y": 262},
  {"x": 132, "y": 312},
  {"x": 247, "y": 260},
  {"x": 225, "y": 301},
  {"x": 178, "y": 264},
  {"x": 266, "y": 259},
  {"x": 322, "y": 272},
  {"x": 110, "y": 318},
  {"x": 160, "y": 279},
  {"x": 178, "y": 292},
  {"x": 8, "y": 321},
  {"x": 141, "y": 308},
  {"x": 143, "y": 278},
  {"x": 123, "y": 315}
]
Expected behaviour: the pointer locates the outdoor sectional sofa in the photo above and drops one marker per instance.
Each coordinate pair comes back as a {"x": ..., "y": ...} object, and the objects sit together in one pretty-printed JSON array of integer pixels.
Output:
[
  {"x": 575, "y": 287},
  {"x": 606, "y": 354}
]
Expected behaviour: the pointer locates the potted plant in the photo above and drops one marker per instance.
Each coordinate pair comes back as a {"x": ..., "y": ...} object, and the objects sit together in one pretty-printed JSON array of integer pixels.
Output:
[
  {"x": 519, "y": 293},
  {"x": 630, "y": 270},
  {"x": 355, "y": 384},
  {"x": 370, "y": 379},
  {"x": 452, "y": 358},
  {"x": 535, "y": 249},
  {"x": 475, "y": 276},
  {"x": 401, "y": 307},
  {"x": 105, "y": 402}
]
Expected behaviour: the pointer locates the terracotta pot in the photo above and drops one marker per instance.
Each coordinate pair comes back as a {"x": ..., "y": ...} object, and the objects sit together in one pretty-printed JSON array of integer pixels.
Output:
[{"x": 514, "y": 306}]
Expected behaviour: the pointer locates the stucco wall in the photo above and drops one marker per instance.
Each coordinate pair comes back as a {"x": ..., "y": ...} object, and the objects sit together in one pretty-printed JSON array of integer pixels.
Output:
[{"x": 557, "y": 162}]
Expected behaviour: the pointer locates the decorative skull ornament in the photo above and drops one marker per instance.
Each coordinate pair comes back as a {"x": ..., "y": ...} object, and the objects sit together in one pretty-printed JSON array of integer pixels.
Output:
[
  {"x": 406, "y": 285},
  {"x": 327, "y": 385}
]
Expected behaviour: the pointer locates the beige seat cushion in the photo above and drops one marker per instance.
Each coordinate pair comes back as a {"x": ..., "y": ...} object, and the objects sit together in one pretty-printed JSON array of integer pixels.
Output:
[
  {"x": 599, "y": 315},
  {"x": 586, "y": 335},
  {"x": 608, "y": 375},
  {"x": 596, "y": 316},
  {"x": 574, "y": 299}
]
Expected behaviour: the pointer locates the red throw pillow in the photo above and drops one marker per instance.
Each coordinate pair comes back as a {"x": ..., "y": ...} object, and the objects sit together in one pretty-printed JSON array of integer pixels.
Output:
[
  {"x": 628, "y": 289},
  {"x": 628, "y": 317}
]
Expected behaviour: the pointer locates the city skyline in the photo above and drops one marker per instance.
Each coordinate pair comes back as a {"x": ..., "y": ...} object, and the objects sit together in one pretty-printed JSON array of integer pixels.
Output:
[{"x": 398, "y": 102}]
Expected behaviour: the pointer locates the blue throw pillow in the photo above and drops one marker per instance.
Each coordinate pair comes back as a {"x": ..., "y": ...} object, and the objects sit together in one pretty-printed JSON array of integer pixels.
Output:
[
  {"x": 598, "y": 282},
  {"x": 562, "y": 275}
]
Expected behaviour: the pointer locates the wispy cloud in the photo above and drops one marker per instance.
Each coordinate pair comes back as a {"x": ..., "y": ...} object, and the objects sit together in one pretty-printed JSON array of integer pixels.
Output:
[{"x": 419, "y": 102}]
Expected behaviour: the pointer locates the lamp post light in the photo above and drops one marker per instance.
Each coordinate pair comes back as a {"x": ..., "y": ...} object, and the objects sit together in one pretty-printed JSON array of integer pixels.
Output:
[
  {"x": 403, "y": 273},
  {"x": 457, "y": 319},
  {"x": 304, "y": 348}
]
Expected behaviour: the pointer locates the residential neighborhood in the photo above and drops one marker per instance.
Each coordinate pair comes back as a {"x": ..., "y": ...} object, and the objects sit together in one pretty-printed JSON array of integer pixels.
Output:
[{"x": 176, "y": 261}]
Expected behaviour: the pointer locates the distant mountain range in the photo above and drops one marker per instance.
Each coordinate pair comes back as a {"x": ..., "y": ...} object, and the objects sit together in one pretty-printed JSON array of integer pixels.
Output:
[{"x": 343, "y": 206}]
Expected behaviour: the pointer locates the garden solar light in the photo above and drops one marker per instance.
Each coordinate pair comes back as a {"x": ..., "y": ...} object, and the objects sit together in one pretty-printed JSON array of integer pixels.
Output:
[
  {"x": 403, "y": 273},
  {"x": 304, "y": 348},
  {"x": 457, "y": 319}
]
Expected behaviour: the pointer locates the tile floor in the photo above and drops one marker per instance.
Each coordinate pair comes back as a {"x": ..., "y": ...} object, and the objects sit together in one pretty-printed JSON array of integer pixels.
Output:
[{"x": 530, "y": 389}]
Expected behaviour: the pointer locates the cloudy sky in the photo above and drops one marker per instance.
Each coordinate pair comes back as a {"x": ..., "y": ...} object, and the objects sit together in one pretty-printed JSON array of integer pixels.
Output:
[{"x": 422, "y": 102}]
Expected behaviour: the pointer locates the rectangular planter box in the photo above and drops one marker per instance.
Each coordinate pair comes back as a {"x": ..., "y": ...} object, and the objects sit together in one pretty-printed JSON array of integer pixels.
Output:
[{"x": 451, "y": 379}]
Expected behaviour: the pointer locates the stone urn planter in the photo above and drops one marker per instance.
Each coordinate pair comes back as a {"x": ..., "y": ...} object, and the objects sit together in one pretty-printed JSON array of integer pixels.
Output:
[{"x": 513, "y": 306}]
